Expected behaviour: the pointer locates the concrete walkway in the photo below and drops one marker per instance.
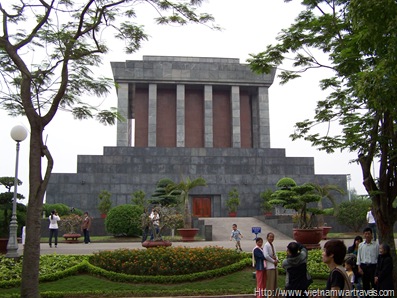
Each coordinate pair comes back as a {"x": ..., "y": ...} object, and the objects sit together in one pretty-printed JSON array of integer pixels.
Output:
[{"x": 221, "y": 229}]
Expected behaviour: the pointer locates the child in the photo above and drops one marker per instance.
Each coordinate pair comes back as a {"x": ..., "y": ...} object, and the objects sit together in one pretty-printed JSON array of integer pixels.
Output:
[
  {"x": 349, "y": 265},
  {"x": 236, "y": 235}
]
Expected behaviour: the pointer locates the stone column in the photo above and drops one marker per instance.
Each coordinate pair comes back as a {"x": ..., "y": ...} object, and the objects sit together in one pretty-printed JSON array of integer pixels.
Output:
[
  {"x": 180, "y": 115},
  {"x": 236, "y": 124},
  {"x": 152, "y": 117},
  {"x": 208, "y": 114},
  {"x": 123, "y": 138},
  {"x": 264, "y": 119}
]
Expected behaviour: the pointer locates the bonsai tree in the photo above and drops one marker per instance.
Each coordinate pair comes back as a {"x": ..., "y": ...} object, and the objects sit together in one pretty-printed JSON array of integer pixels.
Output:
[
  {"x": 182, "y": 190},
  {"x": 70, "y": 224},
  {"x": 233, "y": 200},
  {"x": 105, "y": 204},
  {"x": 297, "y": 197}
]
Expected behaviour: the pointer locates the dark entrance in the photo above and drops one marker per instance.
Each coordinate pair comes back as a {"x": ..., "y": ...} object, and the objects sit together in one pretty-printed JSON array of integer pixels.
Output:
[{"x": 202, "y": 207}]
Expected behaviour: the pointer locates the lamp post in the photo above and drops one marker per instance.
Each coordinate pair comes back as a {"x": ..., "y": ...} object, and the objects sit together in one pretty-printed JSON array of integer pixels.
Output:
[
  {"x": 18, "y": 133},
  {"x": 348, "y": 178}
]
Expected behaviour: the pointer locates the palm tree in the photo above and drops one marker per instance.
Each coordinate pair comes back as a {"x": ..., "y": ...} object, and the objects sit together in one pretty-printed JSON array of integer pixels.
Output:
[
  {"x": 182, "y": 189},
  {"x": 325, "y": 191}
]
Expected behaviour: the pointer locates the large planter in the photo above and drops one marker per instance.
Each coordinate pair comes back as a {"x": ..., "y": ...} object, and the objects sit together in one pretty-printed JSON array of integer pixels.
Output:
[
  {"x": 326, "y": 229},
  {"x": 71, "y": 237},
  {"x": 153, "y": 244},
  {"x": 232, "y": 214},
  {"x": 187, "y": 234},
  {"x": 310, "y": 238}
]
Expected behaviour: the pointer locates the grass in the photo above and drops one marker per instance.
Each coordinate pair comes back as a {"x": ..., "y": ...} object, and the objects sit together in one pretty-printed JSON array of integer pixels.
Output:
[{"x": 241, "y": 282}]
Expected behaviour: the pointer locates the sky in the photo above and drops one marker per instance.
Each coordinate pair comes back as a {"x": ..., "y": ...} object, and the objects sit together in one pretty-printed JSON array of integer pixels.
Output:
[{"x": 248, "y": 26}]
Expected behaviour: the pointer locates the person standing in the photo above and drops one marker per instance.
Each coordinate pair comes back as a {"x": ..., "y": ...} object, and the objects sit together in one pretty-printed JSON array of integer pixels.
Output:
[
  {"x": 54, "y": 218},
  {"x": 86, "y": 226},
  {"x": 271, "y": 263},
  {"x": 258, "y": 261},
  {"x": 295, "y": 266},
  {"x": 236, "y": 236},
  {"x": 333, "y": 255},
  {"x": 354, "y": 248},
  {"x": 367, "y": 258},
  {"x": 384, "y": 269},
  {"x": 155, "y": 220},
  {"x": 371, "y": 222}
]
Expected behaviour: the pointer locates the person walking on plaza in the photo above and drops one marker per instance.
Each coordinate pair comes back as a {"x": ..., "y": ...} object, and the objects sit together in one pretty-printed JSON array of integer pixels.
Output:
[
  {"x": 236, "y": 236},
  {"x": 86, "y": 226},
  {"x": 371, "y": 222},
  {"x": 384, "y": 269},
  {"x": 53, "y": 218},
  {"x": 295, "y": 266},
  {"x": 271, "y": 263},
  {"x": 367, "y": 258},
  {"x": 258, "y": 261},
  {"x": 333, "y": 256}
]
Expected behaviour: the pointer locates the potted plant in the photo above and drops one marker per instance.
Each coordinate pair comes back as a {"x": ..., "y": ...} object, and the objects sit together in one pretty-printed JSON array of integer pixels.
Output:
[
  {"x": 70, "y": 225},
  {"x": 233, "y": 202},
  {"x": 105, "y": 204},
  {"x": 182, "y": 190},
  {"x": 297, "y": 197},
  {"x": 266, "y": 207}
]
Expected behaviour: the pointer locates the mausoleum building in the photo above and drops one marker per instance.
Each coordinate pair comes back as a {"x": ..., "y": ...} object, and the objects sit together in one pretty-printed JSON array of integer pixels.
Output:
[{"x": 193, "y": 117}]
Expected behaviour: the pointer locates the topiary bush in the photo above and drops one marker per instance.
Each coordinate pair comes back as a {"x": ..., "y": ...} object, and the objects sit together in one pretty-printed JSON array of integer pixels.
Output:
[
  {"x": 166, "y": 261},
  {"x": 124, "y": 220}
]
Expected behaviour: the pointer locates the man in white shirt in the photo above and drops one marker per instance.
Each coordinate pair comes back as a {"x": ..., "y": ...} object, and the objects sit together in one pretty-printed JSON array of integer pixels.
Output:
[
  {"x": 367, "y": 258},
  {"x": 371, "y": 222}
]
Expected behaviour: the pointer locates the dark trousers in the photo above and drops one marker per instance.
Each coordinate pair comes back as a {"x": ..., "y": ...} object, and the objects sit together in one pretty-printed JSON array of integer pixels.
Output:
[
  {"x": 368, "y": 276},
  {"x": 54, "y": 233},
  {"x": 86, "y": 236}
]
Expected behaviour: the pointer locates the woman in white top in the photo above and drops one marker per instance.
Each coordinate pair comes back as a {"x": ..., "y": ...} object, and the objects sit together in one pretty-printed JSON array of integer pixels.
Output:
[{"x": 54, "y": 218}]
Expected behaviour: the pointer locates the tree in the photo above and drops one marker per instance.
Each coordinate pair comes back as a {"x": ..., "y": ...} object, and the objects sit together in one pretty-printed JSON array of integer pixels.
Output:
[
  {"x": 47, "y": 52},
  {"x": 352, "y": 214},
  {"x": 6, "y": 199},
  {"x": 326, "y": 192},
  {"x": 360, "y": 39},
  {"x": 298, "y": 197},
  {"x": 182, "y": 189}
]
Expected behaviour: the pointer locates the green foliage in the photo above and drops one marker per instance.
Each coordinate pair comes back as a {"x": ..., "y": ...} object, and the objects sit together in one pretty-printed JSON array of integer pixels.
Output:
[
  {"x": 139, "y": 198},
  {"x": 297, "y": 197},
  {"x": 161, "y": 196},
  {"x": 11, "y": 269},
  {"x": 62, "y": 209},
  {"x": 233, "y": 200},
  {"x": 105, "y": 203},
  {"x": 165, "y": 261},
  {"x": 6, "y": 199},
  {"x": 124, "y": 220},
  {"x": 266, "y": 197},
  {"x": 353, "y": 214},
  {"x": 359, "y": 39},
  {"x": 182, "y": 190}
]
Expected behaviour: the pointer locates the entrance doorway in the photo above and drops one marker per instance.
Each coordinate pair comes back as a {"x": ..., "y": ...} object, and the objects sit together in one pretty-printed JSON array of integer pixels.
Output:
[{"x": 201, "y": 207}]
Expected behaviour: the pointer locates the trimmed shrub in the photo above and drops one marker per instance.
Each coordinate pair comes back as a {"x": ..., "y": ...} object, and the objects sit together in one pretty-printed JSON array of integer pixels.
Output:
[
  {"x": 124, "y": 220},
  {"x": 165, "y": 261}
]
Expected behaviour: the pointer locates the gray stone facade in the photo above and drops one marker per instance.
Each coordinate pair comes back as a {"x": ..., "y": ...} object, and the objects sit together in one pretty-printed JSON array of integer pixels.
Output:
[{"x": 123, "y": 169}]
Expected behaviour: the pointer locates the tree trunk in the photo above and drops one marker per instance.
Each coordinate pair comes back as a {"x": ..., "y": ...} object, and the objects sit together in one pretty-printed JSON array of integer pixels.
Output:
[
  {"x": 37, "y": 187},
  {"x": 384, "y": 213}
]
